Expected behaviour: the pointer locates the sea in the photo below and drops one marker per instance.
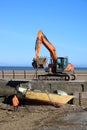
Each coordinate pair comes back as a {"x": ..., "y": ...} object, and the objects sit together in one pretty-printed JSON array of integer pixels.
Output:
[{"x": 30, "y": 68}]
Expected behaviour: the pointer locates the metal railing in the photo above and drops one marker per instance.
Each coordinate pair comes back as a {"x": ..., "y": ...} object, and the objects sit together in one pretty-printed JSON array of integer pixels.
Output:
[
  {"x": 24, "y": 74},
  {"x": 30, "y": 74}
]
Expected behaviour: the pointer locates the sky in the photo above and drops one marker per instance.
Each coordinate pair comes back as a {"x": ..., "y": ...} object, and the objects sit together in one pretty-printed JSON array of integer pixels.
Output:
[{"x": 64, "y": 22}]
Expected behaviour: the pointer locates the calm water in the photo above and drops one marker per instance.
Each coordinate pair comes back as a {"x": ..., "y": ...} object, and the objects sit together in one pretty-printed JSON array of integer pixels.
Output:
[
  {"x": 15, "y": 68},
  {"x": 30, "y": 68}
]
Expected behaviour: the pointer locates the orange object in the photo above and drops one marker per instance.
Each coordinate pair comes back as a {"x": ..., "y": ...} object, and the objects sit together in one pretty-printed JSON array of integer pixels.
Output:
[
  {"x": 15, "y": 101},
  {"x": 42, "y": 39},
  {"x": 69, "y": 67}
]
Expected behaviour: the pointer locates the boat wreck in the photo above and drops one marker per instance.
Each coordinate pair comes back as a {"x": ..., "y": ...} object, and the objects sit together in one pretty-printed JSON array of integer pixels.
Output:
[{"x": 58, "y": 99}]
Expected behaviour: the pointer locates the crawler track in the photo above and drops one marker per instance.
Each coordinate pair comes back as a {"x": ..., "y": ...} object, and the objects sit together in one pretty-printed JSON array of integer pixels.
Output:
[{"x": 59, "y": 76}]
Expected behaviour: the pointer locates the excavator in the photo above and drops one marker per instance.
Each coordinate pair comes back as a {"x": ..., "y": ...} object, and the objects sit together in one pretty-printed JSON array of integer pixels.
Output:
[{"x": 58, "y": 68}]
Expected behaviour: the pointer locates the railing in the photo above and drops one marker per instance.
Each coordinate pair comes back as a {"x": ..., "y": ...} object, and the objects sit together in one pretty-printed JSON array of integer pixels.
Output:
[
  {"x": 14, "y": 74},
  {"x": 31, "y": 74}
]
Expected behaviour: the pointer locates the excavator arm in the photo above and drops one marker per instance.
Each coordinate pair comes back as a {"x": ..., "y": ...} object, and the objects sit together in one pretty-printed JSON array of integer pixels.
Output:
[{"x": 41, "y": 39}]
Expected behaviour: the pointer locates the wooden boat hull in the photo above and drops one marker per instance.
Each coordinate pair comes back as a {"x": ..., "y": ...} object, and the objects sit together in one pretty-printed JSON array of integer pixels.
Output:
[{"x": 48, "y": 98}]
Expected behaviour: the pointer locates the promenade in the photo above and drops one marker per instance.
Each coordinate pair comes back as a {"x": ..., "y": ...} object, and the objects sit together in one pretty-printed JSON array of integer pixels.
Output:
[{"x": 31, "y": 74}]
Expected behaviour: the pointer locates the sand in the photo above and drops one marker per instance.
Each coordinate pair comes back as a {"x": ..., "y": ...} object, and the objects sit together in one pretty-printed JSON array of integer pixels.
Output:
[{"x": 43, "y": 117}]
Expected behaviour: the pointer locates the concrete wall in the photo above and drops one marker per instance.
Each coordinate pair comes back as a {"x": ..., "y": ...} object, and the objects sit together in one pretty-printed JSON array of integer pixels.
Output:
[{"x": 50, "y": 86}]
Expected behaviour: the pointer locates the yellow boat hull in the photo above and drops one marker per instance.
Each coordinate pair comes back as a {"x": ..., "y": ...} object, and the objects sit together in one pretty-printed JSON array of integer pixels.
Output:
[{"x": 50, "y": 98}]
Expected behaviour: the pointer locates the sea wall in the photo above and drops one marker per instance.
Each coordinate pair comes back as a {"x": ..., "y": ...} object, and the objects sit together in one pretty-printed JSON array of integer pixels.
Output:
[
  {"x": 77, "y": 87},
  {"x": 9, "y": 86}
]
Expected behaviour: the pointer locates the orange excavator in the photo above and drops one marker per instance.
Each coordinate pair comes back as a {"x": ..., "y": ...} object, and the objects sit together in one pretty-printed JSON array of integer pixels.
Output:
[{"x": 59, "y": 68}]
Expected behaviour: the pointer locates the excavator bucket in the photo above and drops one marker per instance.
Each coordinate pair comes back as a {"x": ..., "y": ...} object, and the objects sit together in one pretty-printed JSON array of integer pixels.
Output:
[{"x": 40, "y": 62}]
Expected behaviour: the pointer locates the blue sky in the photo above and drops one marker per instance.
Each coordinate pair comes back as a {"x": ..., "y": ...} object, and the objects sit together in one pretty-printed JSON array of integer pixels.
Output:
[{"x": 64, "y": 22}]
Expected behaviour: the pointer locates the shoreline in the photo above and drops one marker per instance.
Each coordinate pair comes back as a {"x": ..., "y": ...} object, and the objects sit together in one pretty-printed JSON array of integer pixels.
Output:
[{"x": 31, "y": 68}]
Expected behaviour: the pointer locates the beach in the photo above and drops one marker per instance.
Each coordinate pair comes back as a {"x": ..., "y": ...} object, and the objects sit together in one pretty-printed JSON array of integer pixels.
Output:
[
  {"x": 67, "y": 117},
  {"x": 45, "y": 117}
]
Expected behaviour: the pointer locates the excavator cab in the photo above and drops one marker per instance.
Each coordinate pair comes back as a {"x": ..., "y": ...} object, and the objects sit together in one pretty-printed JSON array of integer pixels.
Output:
[{"x": 61, "y": 64}]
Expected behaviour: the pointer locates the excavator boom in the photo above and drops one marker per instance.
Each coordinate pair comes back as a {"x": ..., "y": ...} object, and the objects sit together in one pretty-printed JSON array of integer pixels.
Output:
[{"x": 42, "y": 39}]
